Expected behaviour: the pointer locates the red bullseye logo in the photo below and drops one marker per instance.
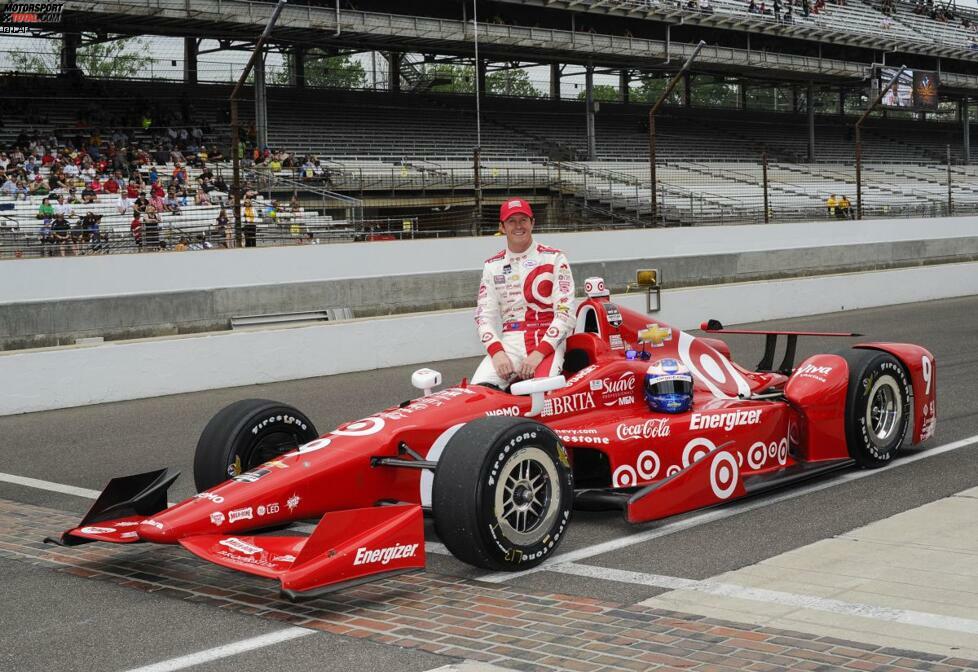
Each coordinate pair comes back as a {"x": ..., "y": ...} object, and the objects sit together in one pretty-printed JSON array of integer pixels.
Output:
[{"x": 538, "y": 288}]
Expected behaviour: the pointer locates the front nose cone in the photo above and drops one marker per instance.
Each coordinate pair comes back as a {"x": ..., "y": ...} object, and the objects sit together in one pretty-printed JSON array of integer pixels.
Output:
[{"x": 155, "y": 531}]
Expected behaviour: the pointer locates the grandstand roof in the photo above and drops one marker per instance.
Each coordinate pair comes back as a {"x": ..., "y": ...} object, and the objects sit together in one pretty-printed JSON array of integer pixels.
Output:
[{"x": 836, "y": 47}]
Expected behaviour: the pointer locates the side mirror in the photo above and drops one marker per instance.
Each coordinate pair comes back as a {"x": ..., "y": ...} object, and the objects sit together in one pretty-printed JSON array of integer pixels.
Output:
[
  {"x": 426, "y": 380},
  {"x": 536, "y": 388}
]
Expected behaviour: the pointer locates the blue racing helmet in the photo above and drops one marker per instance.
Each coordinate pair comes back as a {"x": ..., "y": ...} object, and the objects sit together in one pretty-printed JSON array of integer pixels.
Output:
[{"x": 668, "y": 387}]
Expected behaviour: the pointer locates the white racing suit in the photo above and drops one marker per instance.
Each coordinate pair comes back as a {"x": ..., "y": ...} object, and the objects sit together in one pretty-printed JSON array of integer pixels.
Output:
[{"x": 526, "y": 304}]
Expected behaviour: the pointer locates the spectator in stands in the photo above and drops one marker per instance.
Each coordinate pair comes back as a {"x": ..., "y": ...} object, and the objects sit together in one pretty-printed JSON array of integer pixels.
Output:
[
  {"x": 886, "y": 23},
  {"x": 151, "y": 229},
  {"x": 61, "y": 233},
  {"x": 706, "y": 7},
  {"x": 88, "y": 194},
  {"x": 214, "y": 154},
  {"x": 37, "y": 187},
  {"x": 9, "y": 187},
  {"x": 157, "y": 190},
  {"x": 201, "y": 198},
  {"x": 752, "y": 8},
  {"x": 132, "y": 190},
  {"x": 172, "y": 202},
  {"x": 90, "y": 230},
  {"x": 221, "y": 233},
  {"x": 140, "y": 203},
  {"x": 830, "y": 204},
  {"x": 154, "y": 177},
  {"x": 844, "y": 208},
  {"x": 179, "y": 175},
  {"x": 45, "y": 211},
  {"x": 136, "y": 229},
  {"x": 249, "y": 225},
  {"x": 182, "y": 245},
  {"x": 63, "y": 208}
]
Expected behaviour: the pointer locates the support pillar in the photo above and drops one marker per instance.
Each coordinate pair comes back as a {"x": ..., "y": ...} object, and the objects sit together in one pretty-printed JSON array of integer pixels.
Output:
[
  {"x": 742, "y": 94},
  {"x": 794, "y": 99},
  {"x": 623, "y": 78},
  {"x": 69, "y": 53},
  {"x": 555, "y": 81},
  {"x": 298, "y": 70},
  {"x": 842, "y": 101},
  {"x": 687, "y": 94},
  {"x": 965, "y": 130},
  {"x": 190, "y": 60},
  {"x": 261, "y": 104},
  {"x": 394, "y": 71},
  {"x": 589, "y": 102},
  {"x": 810, "y": 103},
  {"x": 481, "y": 67}
]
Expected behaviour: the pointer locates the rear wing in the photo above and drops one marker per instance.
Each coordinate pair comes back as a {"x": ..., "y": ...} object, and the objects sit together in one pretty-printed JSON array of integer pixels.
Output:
[{"x": 771, "y": 343}]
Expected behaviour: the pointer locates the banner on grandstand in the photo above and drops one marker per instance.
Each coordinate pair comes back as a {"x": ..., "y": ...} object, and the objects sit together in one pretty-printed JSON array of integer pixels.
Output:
[{"x": 914, "y": 90}]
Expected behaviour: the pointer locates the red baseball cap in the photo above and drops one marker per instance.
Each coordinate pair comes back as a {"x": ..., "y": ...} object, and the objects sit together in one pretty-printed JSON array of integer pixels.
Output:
[{"x": 513, "y": 207}]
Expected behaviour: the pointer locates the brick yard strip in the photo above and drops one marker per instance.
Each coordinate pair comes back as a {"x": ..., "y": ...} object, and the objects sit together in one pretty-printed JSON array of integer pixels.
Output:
[
  {"x": 727, "y": 511},
  {"x": 461, "y": 618},
  {"x": 906, "y": 616}
]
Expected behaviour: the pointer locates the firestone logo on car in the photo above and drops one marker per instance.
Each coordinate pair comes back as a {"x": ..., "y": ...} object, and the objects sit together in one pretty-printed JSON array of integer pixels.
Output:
[
  {"x": 650, "y": 429},
  {"x": 725, "y": 420},
  {"x": 366, "y": 555}
]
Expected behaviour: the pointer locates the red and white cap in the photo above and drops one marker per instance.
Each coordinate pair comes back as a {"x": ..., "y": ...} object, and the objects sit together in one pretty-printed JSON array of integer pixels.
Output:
[{"x": 513, "y": 207}]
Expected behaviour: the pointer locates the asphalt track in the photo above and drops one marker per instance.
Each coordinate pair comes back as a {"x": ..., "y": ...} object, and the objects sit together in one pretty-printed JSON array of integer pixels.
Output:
[{"x": 54, "y": 621}]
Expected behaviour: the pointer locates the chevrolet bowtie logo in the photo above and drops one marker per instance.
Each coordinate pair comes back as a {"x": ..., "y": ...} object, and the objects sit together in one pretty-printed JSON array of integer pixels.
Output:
[{"x": 655, "y": 335}]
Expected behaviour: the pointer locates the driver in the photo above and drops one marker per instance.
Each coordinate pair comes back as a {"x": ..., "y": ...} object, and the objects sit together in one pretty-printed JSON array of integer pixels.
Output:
[
  {"x": 526, "y": 304},
  {"x": 668, "y": 387}
]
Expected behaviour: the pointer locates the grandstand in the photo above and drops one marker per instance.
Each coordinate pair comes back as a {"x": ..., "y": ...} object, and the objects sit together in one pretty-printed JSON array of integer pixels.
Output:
[{"x": 397, "y": 159}]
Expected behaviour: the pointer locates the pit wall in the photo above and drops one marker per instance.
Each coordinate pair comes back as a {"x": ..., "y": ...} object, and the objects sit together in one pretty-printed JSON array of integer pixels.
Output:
[
  {"x": 80, "y": 375},
  {"x": 48, "y": 302}
]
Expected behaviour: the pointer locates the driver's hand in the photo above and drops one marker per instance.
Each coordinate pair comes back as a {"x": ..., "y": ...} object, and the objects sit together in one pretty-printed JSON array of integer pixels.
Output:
[
  {"x": 530, "y": 364},
  {"x": 503, "y": 365}
]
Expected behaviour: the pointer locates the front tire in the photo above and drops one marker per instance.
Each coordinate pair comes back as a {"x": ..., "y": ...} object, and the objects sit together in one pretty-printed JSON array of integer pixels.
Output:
[
  {"x": 877, "y": 407},
  {"x": 503, "y": 493},
  {"x": 246, "y": 434}
]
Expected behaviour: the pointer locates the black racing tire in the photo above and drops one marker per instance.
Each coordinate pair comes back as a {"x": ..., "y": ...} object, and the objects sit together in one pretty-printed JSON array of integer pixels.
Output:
[
  {"x": 479, "y": 517},
  {"x": 878, "y": 407},
  {"x": 246, "y": 434}
]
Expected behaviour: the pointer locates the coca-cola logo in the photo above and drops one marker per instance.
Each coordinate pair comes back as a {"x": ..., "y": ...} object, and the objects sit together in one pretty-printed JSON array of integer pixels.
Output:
[{"x": 650, "y": 429}]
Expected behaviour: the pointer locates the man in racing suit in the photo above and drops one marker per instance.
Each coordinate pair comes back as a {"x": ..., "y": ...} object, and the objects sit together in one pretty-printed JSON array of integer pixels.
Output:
[{"x": 526, "y": 304}]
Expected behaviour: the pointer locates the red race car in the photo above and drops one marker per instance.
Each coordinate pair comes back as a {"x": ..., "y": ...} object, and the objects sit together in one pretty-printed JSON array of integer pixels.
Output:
[{"x": 500, "y": 472}]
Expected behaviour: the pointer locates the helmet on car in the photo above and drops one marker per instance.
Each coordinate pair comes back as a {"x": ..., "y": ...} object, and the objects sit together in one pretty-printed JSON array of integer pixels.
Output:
[{"x": 668, "y": 387}]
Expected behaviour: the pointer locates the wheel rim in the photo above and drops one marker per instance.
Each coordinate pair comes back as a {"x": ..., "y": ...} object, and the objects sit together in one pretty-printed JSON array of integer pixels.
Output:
[
  {"x": 268, "y": 447},
  {"x": 884, "y": 411},
  {"x": 527, "y": 496}
]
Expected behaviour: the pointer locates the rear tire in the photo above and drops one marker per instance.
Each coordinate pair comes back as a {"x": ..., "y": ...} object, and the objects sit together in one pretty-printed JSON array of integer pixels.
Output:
[
  {"x": 246, "y": 434},
  {"x": 503, "y": 493},
  {"x": 877, "y": 406}
]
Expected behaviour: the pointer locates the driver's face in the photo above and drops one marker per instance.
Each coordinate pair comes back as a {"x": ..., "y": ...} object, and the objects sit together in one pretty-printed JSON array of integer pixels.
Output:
[{"x": 518, "y": 230}]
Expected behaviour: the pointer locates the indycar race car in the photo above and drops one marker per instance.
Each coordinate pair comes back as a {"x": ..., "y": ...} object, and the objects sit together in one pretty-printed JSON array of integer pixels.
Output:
[{"x": 501, "y": 471}]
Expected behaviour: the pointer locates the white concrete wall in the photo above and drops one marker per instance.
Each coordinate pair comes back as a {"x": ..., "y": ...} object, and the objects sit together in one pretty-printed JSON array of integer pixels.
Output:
[
  {"x": 83, "y": 277},
  {"x": 76, "y": 376}
]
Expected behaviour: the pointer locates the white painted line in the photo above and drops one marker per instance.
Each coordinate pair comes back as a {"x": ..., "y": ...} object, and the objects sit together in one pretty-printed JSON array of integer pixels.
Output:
[
  {"x": 232, "y": 649},
  {"x": 905, "y": 616},
  {"x": 48, "y": 485},
  {"x": 727, "y": 511}
]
